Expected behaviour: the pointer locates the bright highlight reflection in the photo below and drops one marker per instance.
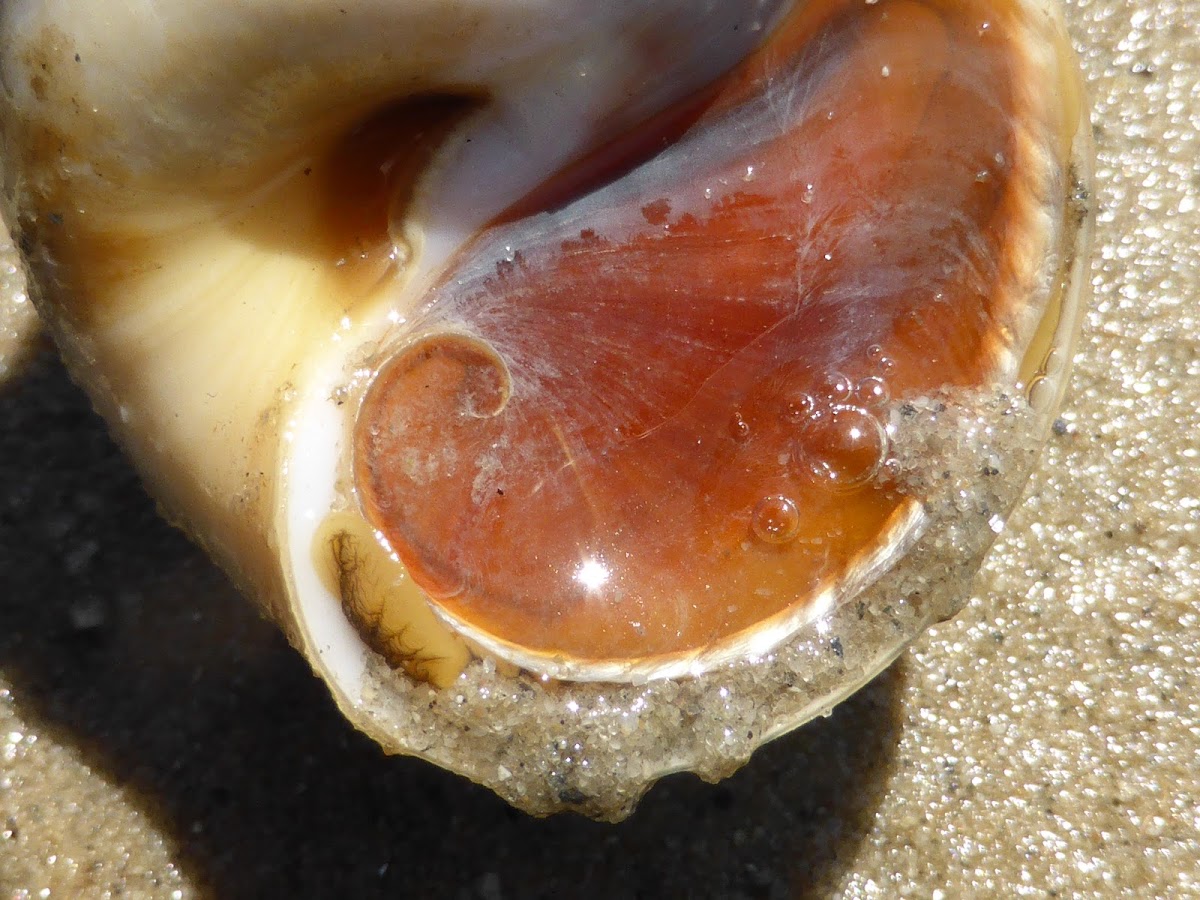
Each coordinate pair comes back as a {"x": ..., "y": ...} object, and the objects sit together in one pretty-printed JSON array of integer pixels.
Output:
[{"x": 593, "y": 574}]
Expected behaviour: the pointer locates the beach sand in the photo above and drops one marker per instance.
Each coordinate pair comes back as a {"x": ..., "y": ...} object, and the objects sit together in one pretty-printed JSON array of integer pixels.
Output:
[{"x": 159, "y": 740}]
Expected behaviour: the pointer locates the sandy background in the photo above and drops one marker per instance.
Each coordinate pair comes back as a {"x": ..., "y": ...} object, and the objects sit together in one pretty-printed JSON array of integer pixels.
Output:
[{"x": 158, "y": 740}]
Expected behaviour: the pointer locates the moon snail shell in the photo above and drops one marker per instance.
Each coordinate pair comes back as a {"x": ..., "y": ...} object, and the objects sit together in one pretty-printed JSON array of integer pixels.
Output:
[{"x": 589, "y": 391}]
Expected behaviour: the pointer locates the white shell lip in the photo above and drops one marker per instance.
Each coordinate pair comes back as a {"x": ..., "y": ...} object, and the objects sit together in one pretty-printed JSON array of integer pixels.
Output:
[{"x": 308, "y": 473}]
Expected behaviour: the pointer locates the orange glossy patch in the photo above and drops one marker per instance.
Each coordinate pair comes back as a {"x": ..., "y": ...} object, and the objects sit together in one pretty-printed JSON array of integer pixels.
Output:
[{"x": 645, "y": 421}]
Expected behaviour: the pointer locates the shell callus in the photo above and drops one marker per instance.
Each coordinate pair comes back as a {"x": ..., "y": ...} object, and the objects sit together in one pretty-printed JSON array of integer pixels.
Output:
[{"x": 647, "y": 429}]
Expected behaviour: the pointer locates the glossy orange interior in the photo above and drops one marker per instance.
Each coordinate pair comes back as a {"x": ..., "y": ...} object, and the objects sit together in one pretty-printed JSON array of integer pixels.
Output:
[{"x": 660, "y": 416}]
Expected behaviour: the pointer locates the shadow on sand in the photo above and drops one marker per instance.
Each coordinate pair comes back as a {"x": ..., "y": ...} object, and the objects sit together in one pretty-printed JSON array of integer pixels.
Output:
[{"x": 124, "y": 642}]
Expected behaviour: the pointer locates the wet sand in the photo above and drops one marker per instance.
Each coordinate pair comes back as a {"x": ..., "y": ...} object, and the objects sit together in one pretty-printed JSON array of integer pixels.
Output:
[{"x": 158, "y": 739}]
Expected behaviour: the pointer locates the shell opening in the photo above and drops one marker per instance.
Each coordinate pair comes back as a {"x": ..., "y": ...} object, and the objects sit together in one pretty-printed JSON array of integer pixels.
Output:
[{"x": 699, "y": 349}]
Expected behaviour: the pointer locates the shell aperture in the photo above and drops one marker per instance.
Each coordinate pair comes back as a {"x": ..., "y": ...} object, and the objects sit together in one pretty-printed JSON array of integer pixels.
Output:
[
  {"x": 636, "y": 428},
  {"x": 559, "y": 359}
]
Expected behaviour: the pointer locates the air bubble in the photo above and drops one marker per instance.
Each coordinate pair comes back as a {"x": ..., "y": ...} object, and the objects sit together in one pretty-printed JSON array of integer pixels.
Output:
[
  {"x": 835, "y": 387},
  {"x": 739, "y": 428},
  {"x": 1055, "y": 363},
  {"x": 775, "y": 520},
  {"x": 843, "y": 448},
  {"x": 1042, "y": 393},
  {"x": 872, "y": 392},
  {"x": 878, "y": 355},
  {"x": 799, "y": 409}
]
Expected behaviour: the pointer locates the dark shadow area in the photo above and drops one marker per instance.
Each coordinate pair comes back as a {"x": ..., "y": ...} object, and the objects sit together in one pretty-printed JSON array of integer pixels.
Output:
[{"x": 130, "y": 646}]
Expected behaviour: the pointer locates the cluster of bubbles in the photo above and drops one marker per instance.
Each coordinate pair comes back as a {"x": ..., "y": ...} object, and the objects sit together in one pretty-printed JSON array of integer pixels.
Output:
[
  {"x": 841, "y": 441},
  {"x": 838, "y": 440}
]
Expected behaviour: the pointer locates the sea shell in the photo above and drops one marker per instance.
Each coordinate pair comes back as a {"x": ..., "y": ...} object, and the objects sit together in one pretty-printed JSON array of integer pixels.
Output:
[{"x": 590, "y": 391}]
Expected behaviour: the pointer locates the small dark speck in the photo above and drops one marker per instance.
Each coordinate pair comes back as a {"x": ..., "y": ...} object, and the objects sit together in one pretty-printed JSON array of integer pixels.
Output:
[
  {"x": 573, "y": 796},
  {"x": 56, "y": 218},
  {"x": 990, "y": 471},
  {"x": 1059, "y": 427},
  {"x": 77, "y": 59},
  {"x": 836, "y": 646},
  {"x": 499, "y": 492},
  {"x": 308, "y": 170}
]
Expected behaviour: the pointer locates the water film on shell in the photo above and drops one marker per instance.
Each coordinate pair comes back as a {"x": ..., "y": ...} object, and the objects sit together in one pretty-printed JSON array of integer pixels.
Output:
[{"x": 589, "y": 391}]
